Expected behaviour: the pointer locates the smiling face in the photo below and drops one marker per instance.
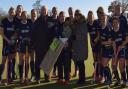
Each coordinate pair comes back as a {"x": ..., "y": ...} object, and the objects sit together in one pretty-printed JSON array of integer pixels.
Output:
[
  {"x": 44, "y": 11},
  {"x": 19, "y": 9},
  {"x": 100, "y": 11},
  {"x": 33, "y": 14},
  {"x": 90, "y": 17},
  {"x": 24, "y": 16},
  {"x": 115, "y": 24},
  {"x": 54, "y": 11},
  {"x": 103, "y": 20},
  {"x": 62, "y": 17},
  {"x": 11, "y": 12}
]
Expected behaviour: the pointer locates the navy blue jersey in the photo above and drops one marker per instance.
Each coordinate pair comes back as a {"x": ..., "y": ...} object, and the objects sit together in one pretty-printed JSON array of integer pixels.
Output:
[
  {"x": 97, "y": 24},
  {"x": 105, "y": 34},
  {"x": 58, "y": 30},
  {"x": 17, "y": 21},
  {"x": 52, "y": 22},
  {"x": 123, "y": 22},
  {"x": 24, "y": 30},
  {"x": 31, "y": 23},
  {"x": 92, "y": 29},
  {"x": 9, "y": 28},
  {"x": 118, "y": 37}
]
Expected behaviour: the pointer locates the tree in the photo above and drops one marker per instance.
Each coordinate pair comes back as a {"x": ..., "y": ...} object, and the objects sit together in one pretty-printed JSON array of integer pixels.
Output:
[
  {"x": 122, "y": 3},
  {"x": 37, "y": 6},
  {"x": 2, "y": 12}
]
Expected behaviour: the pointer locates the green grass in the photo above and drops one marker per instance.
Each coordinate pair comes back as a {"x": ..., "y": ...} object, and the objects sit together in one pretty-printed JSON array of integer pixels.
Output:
[{"x": 53, "y": 85}]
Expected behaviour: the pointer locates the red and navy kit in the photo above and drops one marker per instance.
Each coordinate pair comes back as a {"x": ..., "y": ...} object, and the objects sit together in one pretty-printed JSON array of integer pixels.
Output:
[
  {"x": 9, "y": 32},
  {"x": 105, "y": 35},
  {"x": 118, "y": 37},
  {"x": 23, "y": 31}
]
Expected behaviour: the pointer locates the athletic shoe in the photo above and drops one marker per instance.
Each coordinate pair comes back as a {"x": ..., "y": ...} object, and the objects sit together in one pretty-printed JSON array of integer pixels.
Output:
[
  {"x": 126, "y": 83},
  {"x": 32, "y": 79}
]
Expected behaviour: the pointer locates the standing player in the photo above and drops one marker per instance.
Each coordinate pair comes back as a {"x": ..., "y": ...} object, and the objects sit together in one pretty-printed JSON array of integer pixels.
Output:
[
  {"x": 93, "y": 32},
  {"x": 32, "y": 55},
  {"x": 107, "y": 50},
  {"x": 100, "y": 11},
  {"x": 17, "y": 20},
  {"x": 24, "y": 46},
  {"x": 8, "y": 43},
  {"x": 123, "y": 25},
  {"x": 120, "y": 41},
  {"x": 127, "y": 60}
]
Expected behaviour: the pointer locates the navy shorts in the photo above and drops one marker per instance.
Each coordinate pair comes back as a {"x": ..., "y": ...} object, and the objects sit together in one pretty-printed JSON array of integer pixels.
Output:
[
  {"x": 23, "y": 47},
  {"x": 8, "y": 49},
  {"x": 107, "y": 51},
  {"x": 122, "y": 53},
  {"x": 126, "y": 53},
  {"x": 96, "y": 48}
]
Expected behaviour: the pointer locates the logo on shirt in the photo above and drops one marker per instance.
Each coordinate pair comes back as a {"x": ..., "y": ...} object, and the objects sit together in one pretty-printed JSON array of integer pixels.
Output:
[
  {"x": 24, "y": 31},
  {"x": 10, "y": 29}
]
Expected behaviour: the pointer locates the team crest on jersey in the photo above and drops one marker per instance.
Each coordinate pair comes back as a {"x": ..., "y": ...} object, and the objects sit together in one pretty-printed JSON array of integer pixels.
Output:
[
  {"x": 119, "y": 39},
  {"x": 25, "y": 31}
]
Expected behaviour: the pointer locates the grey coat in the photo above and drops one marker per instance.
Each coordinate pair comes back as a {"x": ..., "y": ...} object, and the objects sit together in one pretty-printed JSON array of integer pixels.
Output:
[{"x": 80, "y": 42}]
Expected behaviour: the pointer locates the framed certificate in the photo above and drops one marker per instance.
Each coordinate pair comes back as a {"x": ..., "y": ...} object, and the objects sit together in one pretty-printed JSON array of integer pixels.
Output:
[{"x": 52, "y": 55}]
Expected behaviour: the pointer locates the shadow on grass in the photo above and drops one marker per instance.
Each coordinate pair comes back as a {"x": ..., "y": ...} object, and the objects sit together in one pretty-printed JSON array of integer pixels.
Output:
[{"x": 53, "y": 85}]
